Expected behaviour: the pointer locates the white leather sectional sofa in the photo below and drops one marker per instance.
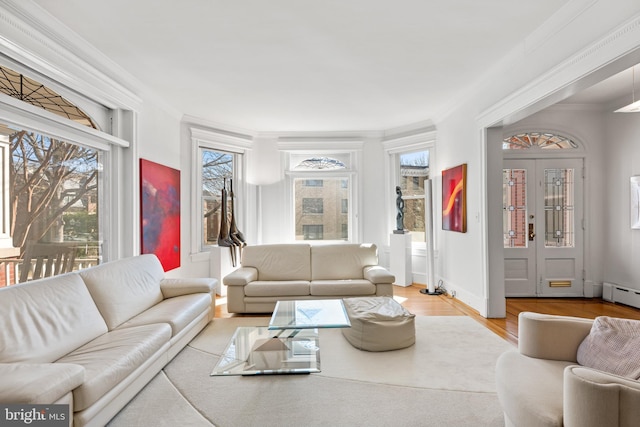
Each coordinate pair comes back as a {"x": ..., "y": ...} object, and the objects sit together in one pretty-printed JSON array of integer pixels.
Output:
[
  {"x": 541, "y": 383},
  {"x": 94, "y": 338},
  {"x": 302, "y": 271}
]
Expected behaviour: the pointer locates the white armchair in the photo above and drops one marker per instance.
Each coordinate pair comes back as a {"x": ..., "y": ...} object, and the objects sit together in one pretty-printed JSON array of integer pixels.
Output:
[{"x": 541, "y": 384}]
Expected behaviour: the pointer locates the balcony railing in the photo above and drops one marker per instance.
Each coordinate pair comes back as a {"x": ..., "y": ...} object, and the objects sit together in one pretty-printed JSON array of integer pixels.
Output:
[{"x": 12, "y": 268}]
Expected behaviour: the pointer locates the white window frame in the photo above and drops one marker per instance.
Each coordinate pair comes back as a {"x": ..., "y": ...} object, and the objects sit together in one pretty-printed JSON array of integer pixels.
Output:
[
  {"x": 424, "y": 140},
  {"x": 14, "y": 112},
  {"x": 67, "y": 64},
  {"x": 350, "y": 149},
  {"x": 218, "y": 141}
]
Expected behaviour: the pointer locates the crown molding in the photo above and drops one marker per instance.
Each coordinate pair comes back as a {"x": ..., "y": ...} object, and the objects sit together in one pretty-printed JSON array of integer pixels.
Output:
[
  {"x": 218, "y": 128},
  {"x": 318, "y": 144},
  {"x": 33, "y": 37},
  {"x": 556, "y": 23},
  {"x": 570, "y": 75},
  {"x": 418, "y": 136},
  {"x": 221, "y": 139}
]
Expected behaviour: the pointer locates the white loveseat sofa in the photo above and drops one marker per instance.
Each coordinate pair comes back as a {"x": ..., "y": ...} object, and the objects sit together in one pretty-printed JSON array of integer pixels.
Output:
[
  {"x": 302, "y": 271},
  {"x": 541, "y": 383},
  {"x": 92, "y": 339}
]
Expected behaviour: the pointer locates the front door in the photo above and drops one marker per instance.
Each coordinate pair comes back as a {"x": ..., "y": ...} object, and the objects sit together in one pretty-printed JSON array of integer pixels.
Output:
[{"x": 543, "y": 227}]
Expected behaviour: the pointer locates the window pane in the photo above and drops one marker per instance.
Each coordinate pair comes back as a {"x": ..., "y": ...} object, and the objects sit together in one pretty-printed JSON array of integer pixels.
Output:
[
  {"x": 514, "y": 208},
  {"x": 414, "y": 171},
  {"x": 312, "y": 232},
  {"x": 558, "y": 208},
  {"x": 537, "y": 140},
  {"x": 53, "y": 193},
  {"x": 217, "y": 168},
  {"x": 312, "y": 205},
  {"x": 320, "y": 210}
]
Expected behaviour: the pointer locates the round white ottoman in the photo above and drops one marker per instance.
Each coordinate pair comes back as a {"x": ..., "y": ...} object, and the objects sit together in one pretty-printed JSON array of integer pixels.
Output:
[{"x": 379, "y": 324}]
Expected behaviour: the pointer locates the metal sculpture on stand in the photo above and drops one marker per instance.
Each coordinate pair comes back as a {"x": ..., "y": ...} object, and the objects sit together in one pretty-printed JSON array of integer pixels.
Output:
[
  {"x": 234, "y": 233},
  {"x": 229, "y": 235},
  {"x": 224, "y": 239}
]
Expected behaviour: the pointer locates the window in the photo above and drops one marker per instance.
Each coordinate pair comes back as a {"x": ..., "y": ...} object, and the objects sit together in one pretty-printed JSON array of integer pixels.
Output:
[
  {"x": 514, "y": 208},
  {"x": 217, "y": 173},
  {"x": 320, "y": 206},
  {"x": 321, "y": 201},
  {"x": 537, "y": 140},
  {"x": 414, "y": 170},
  {"x": 312, "y": 205},
  {"x": 313, "y": 232},
  {"x": 218, "y": 162},
  {"x": 53, "y": 189}
]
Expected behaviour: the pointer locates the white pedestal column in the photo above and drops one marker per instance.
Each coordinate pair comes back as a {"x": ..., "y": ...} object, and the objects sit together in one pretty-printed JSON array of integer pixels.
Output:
[
  {"x": 400, "y": 259},
  {"x": 220, "y": 265}
]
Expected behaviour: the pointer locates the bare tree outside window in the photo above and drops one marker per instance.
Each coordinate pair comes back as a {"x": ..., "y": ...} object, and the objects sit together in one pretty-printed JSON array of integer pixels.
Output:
[
  {"x": 54, "y": 188},
  {"x": 50, "y": 187},
  {"x": 217, "y": 166}
]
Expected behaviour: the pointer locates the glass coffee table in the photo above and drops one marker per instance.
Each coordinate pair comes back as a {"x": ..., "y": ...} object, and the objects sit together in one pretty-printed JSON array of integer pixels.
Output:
[{"x": 289, "y": 345}]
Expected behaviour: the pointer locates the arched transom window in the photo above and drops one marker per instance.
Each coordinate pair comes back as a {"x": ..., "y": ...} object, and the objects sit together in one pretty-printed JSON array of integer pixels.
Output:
[
  {"x": 320, "y": 163},
  {"x": 32, "y": 92},
  {"x": 538, "y": 140}
]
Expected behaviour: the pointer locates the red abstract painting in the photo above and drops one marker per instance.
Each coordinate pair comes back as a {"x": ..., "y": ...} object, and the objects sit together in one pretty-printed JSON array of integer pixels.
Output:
[
  {"x": 454, "y": 202},
  {"x": 160, "y": 212}
]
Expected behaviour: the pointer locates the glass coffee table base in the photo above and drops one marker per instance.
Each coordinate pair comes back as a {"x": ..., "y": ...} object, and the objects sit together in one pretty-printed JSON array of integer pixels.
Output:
[{"x": 256, "y": 350}]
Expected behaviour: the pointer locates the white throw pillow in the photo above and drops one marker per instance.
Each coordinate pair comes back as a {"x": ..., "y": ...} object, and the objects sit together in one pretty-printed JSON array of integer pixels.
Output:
[{"x": 612, "y": 346}]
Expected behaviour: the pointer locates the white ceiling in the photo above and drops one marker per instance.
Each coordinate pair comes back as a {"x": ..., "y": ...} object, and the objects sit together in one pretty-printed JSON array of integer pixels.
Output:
[{"x": 301, "y": 65}]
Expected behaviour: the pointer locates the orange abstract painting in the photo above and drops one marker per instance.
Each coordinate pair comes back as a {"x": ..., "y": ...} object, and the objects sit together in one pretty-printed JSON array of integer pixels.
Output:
[{"x": 454, "y": 199}]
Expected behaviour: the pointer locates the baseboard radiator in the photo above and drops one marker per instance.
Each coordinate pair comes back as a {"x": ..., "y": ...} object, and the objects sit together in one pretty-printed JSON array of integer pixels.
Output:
[{"x": 615, "y": 293}]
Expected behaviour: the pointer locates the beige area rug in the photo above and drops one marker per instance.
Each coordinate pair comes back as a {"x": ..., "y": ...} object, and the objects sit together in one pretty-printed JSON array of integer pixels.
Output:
[{"x": 445, "y": 379}]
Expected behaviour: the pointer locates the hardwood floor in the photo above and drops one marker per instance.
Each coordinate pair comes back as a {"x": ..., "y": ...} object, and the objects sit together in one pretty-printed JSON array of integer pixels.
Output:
[{"x": 444, "y": 305}]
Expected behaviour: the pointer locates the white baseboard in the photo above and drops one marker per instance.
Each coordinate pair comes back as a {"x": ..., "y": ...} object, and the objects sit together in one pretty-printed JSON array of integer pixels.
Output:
[
  {"x": 621, "y": 294},
  {"x": 592, "y": 289}
]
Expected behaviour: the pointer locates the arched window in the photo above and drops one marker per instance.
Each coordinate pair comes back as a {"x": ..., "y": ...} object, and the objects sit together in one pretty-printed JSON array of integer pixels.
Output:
[
  {"x": 32, "y": 92},
  {"x": 320, "y": 163},
  {"x": 538, "y": 141},
  {"x": 52, "y": 186},
  {"x": 322, "y": 196}
]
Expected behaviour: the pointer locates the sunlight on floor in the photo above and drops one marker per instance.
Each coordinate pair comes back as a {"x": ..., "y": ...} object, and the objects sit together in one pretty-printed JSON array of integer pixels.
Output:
[{"x": 399, "y": 299}]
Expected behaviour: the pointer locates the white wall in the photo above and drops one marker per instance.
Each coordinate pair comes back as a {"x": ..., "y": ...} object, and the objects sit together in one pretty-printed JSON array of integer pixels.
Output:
[
  {"x": 585, "y": 38},
  {"x": 459, "y": 262},
  {"x": 621, "y": 244},
  {"x": 584, "y": 42},
  {"x": 158, "y": 140}
]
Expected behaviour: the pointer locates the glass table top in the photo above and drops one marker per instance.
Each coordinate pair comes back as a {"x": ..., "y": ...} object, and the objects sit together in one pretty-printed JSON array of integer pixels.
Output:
[
  {"x": 254, "y": 350},
  {"x": 309, "y": 314}
]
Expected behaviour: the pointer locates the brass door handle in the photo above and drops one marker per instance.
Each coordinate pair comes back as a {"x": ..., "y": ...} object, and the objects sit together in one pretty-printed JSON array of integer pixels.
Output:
[{"x": 532, "y": 234}]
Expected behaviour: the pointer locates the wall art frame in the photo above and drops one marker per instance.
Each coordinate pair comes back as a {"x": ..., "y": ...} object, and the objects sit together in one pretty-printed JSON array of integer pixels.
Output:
[
  {"x": 160, "y": 213},
  {"x": 454, "y": 199}
]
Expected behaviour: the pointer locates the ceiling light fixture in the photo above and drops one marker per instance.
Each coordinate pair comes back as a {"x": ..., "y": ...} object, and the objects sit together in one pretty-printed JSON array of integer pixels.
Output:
[{"x": 634, "y": 107}]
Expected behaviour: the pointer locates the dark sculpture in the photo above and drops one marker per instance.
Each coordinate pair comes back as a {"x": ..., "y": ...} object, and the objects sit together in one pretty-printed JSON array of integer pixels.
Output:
[
  {"x": 234, "y": 233},
  {"x": 400, "y": 208},
  {"x": 229, "y": 235}
]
